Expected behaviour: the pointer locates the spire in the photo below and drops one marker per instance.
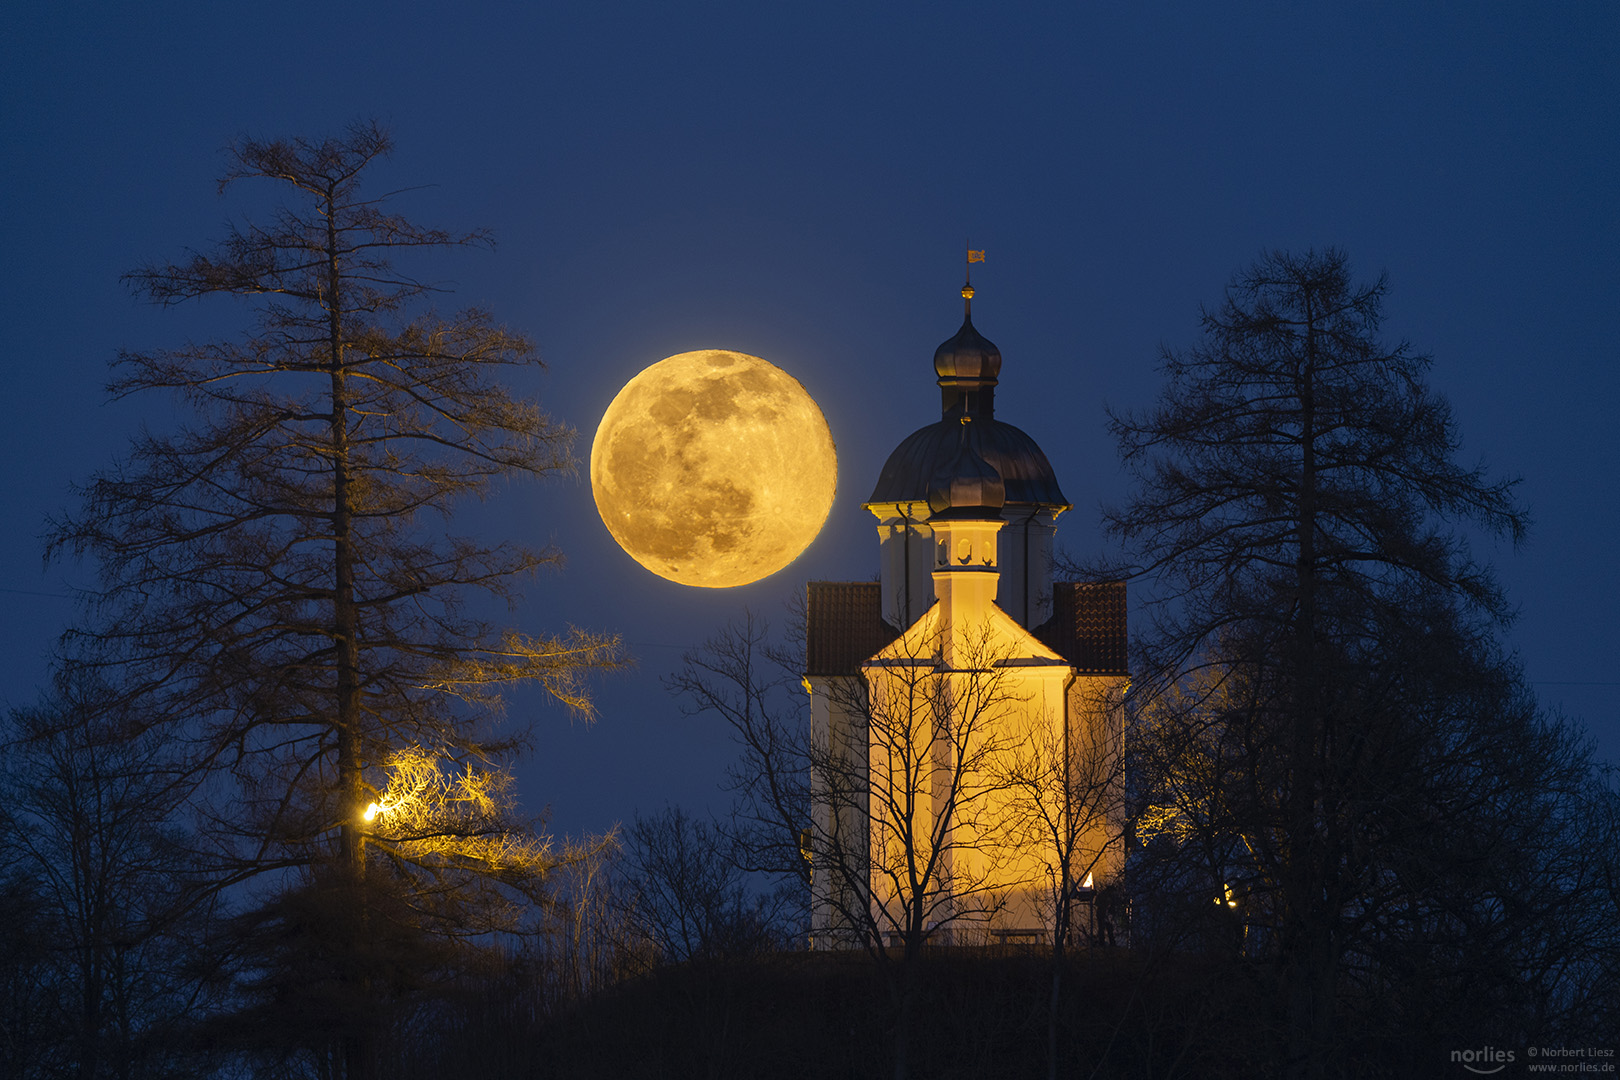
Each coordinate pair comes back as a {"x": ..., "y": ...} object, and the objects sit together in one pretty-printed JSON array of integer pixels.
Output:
[
  {"x": 967, "y": 285},
  {"x": 967, "y": 364}
]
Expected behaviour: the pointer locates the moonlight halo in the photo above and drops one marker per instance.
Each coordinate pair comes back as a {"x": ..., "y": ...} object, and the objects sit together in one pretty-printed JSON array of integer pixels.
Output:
[{"x": 713, "y": 468}]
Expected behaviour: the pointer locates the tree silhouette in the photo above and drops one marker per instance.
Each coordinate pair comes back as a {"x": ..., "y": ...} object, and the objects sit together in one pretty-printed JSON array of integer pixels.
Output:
[
  {"x": 1065, "y": 791},
  {"x": 1299, "y": 504},
  {"x": 894, "y": 812},
  {"x": 88, "y": 831},
  {"x": 276, "y": 591}
]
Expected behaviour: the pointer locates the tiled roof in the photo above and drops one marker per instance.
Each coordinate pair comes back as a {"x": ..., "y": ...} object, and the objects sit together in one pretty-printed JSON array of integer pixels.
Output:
[
  {"x": 845, "y": 626},
  {"x": 1087, "y": 627}
]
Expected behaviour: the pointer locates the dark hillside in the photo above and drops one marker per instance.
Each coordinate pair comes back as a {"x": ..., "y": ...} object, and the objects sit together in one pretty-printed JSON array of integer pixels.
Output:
[{"x": 826, "y": 1016}]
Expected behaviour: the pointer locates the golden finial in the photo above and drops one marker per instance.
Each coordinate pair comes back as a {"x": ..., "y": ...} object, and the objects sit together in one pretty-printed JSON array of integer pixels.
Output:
[
  {"x": 967, "y": 284},
  {"x": 972, "y": 257}
]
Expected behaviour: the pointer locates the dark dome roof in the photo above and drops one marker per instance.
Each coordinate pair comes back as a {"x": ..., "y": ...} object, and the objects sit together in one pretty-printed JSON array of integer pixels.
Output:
[{"x": 910, "y": 473}]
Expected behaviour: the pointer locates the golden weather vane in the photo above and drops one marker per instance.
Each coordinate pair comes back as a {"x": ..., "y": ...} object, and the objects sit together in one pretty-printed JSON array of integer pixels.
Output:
[{"x": 972, "y": 257}]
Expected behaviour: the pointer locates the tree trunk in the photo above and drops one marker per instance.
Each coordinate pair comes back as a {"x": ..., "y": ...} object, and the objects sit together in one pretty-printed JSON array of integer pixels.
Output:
[
  {"x": 359, "y": 1045},
  {"x": 1307, "y": 969},
  {"x": 902, "y": 1027},
  {"x": 1052, "y": 1015},
  {"x": 1062, "y": 919},
  {"x": 90, "y": 1016}
]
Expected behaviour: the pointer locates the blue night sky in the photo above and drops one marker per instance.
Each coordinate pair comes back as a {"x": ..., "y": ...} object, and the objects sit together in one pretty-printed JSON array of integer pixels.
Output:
[{"x": 796, "y": 182}]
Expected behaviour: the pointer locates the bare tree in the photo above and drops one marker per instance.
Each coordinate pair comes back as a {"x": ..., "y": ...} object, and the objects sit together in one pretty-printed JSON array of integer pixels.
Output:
[
  {"x": 936, "y": 725},
  {"x": 34, "y": 1039},
  {"x": 687, "y": 892},
  {"x": 273, "y": 588},
  {"x": 1067, "y": 801},
  {"x": 589, "y": 940},
  {"x": 895, "y": 804},
  {"x": 752, "y": 681},
  {"x": 92, "y": 823},
  {"x": 925, "y": 787}
]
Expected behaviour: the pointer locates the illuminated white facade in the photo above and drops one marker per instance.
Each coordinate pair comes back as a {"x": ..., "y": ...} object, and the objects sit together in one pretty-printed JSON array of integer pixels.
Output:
[{"x": 963, "y": 707}]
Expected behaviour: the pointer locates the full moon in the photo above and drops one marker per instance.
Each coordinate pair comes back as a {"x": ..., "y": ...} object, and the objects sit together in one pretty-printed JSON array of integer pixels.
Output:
[{"x": 713, "y": 468}]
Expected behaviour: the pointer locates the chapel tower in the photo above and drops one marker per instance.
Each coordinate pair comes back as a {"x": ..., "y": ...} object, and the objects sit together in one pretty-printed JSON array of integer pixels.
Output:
[{"x": 928, "y": 684}]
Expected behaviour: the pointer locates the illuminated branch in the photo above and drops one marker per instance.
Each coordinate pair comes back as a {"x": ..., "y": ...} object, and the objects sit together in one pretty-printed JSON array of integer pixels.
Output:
[{"x": 435, "y": 816}]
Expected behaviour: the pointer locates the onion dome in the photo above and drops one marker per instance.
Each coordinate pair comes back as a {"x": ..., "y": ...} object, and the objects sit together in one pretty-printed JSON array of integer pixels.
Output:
[
  {"x": 967, "y": 486},
  {"x": 967, "y": 366},
  {"x": 968, "y": 355}
]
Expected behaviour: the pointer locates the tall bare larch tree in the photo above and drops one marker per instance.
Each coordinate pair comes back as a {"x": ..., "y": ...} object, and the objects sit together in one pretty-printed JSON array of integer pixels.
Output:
[{"x": 276, "y": 588}]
